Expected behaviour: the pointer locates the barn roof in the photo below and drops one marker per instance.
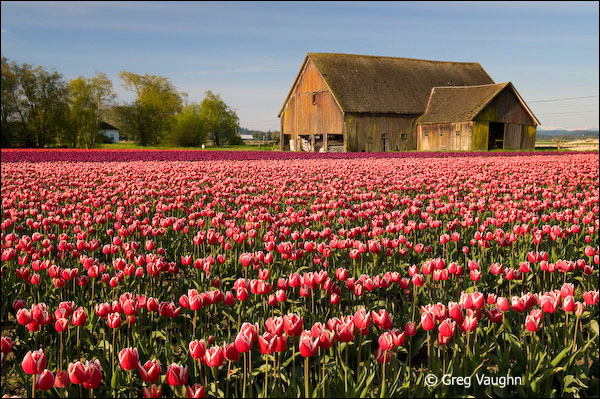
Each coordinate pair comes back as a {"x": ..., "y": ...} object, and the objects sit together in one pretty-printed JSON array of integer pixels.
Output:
[
  {"x": 454, "y": 104},
  {"x": 372, "y": 84}
]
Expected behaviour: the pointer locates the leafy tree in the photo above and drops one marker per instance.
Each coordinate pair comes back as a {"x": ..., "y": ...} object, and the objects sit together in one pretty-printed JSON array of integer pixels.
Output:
[
  {"x": 89, "y": 99},
  {"x": 220, "y": 120},
  {"x": 151, "y": 116},
  {"x": 45, "y": 96},
  {"x": 189, "y": 128},
  {"x": 12, "y": 115}
]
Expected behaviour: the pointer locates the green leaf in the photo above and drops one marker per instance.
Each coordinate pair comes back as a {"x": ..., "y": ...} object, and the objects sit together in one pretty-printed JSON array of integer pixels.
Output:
[
  {"x": 594, "y": 327},
  {"x": 560, "y": 356}
]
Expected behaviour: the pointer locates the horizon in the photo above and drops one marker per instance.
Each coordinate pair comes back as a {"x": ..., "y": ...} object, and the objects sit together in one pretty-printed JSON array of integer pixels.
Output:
[{"x": 251, "y": 52}]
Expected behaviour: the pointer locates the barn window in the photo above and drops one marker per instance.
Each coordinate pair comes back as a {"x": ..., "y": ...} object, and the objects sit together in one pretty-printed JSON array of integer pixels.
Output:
[
  {"x": 426, "y": 134},
  {"x": 441, "y": 133},
  {"x": 457, "y": 132},
  {"x": 314, "y": 98},
  {"x": 403, "y": 136}
]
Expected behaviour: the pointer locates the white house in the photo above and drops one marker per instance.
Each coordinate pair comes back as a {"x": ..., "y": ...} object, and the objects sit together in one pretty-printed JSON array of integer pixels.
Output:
[
  {"x": 247, "y": 137},
  {"x": 109, "y": 131}
]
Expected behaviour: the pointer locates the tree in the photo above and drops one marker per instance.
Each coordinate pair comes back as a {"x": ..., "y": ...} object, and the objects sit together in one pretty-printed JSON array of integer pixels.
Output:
[
  {"x": 220, "y": 120},
  {"x": 45, "y": 97},
  {"x": 189, "y": 129},
  {"x": 89, "y": 99},
  {"x": 151, "y": 116},
  {"x": 12, "y": 115}
]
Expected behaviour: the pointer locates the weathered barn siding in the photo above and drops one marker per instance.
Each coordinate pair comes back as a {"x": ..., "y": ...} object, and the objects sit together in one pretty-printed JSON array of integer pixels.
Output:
[
  {"x": 445, "y": 136},
  {"x": 519, "y": 128},
  {"x": 528, "y": 134},
  {"x": 505, "y": 108},
  {"x": 301, "y": 116},
  {"x": 512, "y": 136},
  {"x": 480, "y": 136},
  {"x": 364, "y": 132}
]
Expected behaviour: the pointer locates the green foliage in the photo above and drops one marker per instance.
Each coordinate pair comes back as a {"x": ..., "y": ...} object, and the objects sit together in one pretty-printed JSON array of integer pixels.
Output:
[
  {"x": 40, "y": 109},
  {"x": 220, "y": 120},
  {"x": 189, "y": 129},
  {"x": 151, "y": 116}
]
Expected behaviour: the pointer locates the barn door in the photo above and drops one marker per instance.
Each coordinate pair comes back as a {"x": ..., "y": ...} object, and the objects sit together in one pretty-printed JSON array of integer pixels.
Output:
[
  {"x": 496, "y": 138},
  {"x": 384, "y": 142}
]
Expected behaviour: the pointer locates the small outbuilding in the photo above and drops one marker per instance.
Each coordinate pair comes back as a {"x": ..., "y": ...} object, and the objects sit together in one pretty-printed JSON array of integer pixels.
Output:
[{"x": 109, "y": 131}]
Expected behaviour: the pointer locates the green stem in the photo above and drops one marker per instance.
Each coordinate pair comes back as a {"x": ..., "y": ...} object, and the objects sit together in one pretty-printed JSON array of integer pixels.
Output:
[
  {"x": 383, "y": 381},
  {"x": 306, "y": 391}
]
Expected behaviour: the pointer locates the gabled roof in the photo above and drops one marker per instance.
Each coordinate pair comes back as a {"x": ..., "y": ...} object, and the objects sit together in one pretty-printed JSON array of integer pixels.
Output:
[
  {"x": 371, "y": 84},
  {"x": 455, "y": 104},
  {"x": 107, "y": 126}
]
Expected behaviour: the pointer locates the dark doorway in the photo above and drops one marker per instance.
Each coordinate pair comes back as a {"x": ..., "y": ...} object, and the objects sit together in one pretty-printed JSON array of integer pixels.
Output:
[
  {"x": 383, "y": 142},
  {"x": 496, "y": 139}
]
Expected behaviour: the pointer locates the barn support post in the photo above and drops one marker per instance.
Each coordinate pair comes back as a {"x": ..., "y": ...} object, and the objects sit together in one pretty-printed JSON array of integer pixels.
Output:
[
  {"x": 281, "y": 134},
  {"x": 312, "y": 143},
  {"x": 325, "y": 142}
]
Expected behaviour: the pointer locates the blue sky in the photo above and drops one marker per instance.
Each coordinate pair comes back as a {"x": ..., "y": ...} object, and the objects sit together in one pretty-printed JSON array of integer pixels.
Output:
[{"x": 250, "y": 52}]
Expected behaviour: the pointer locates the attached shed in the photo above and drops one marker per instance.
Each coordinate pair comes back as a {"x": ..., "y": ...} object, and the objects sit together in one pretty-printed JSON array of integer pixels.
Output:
[
  {"x": 345, "y": 102},
  {"x": 476, "y": 118}
]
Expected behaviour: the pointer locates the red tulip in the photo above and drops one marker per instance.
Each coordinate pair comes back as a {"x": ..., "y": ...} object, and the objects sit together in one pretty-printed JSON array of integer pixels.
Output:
[
  {"x": 153, "y": 391},
  {"x": 267, "y": 343},
  {"x": 34, "y": 362},
  {"x": 383, "y": 356},
  {"x": 77, "y": 373},
  {"x": 243, "y": 342},
  {"x": 568, "y": 304},
  {"x": 150, "y": 371},
  {"x": 214, "y": 356},
  {"x": 427, "y": 321},
  {"x": 177, "y": 375},
  {"x": 231, "y": 352},
  {"x": 129, "y": 358},
  {"x": 197, "y": 349},
  {"x": 495, "y": 315},
  {"x": 195, "y": 391},
  {"x": 362, "y": 320},
  {"x": 567, "y": 290},
  {"x": 44, "y": 381},
  {"x": 7, "y": 344},
  {"x": 386, "y": 341},
  {"x": 410, "y": 329},
  {"x": 93, "y": 371},
  {"x": 79, "y": 317},
  {"x": 61, "y": 380},
  {"x": 382, "y": 319},
  {"x": 274, "y": 325},
  {"x": 61, "y": 324},
  {"x": 308, "y": 344},
  {"x": 590, "y": 297},
  {"x": 532, "y": 323},
  {"x": 114, "y": 320},
  {"x": 292, "y": 324},
  {"x": 345, "y": 331}
]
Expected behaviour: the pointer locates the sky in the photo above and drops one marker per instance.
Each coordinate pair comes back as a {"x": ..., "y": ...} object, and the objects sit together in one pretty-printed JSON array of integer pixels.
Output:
[{"x": 251, "y": 52}]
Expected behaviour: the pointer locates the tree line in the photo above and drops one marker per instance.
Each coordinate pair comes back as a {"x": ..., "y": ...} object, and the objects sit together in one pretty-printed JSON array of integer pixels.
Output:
[{"x": 41, "y": 109}]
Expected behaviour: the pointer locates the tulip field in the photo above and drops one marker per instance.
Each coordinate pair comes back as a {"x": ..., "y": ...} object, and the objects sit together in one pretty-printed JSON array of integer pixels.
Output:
[{"x": 194, "y": 274}]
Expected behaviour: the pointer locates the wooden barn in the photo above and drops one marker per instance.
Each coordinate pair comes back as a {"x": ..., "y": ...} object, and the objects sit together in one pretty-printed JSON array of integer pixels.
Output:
[
  {"x": 344, "y": 102},
  {"x": 476, "y": 118}
]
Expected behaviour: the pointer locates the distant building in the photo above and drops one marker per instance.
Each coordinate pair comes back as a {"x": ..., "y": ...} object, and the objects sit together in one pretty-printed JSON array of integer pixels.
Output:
[
  {"x": 109, "y": 131},
  {"x": 247, "y": 137},
  {"x": 344, "y": 102}
]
